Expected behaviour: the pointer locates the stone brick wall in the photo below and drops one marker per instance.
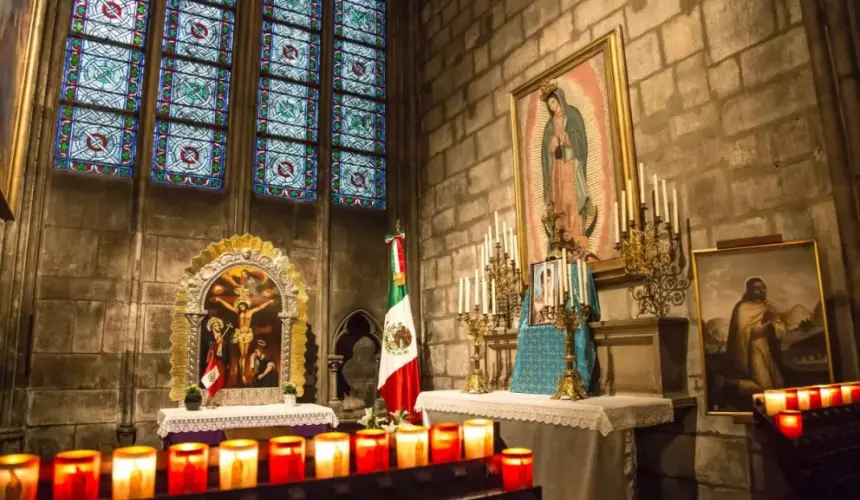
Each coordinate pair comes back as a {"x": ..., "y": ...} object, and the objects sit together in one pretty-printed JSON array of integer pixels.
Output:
[{"x": 723, "y": 106}]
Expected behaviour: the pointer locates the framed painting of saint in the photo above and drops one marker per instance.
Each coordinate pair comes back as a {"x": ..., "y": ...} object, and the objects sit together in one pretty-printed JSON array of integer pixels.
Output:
[
  {"x": 573, "y": 154},
  {"x": 762, "y": 322},
  {"x": 544, "y": 285}
]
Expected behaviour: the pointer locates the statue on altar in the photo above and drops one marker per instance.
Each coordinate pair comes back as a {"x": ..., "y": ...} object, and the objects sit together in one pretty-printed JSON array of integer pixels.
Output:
[{"x": 246, "y": 282}]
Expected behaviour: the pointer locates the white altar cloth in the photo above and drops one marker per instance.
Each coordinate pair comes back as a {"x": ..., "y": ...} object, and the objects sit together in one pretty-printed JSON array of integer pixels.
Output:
[
  {"x": 604, "y": 414},
  {"x": 171, "y": 420}
]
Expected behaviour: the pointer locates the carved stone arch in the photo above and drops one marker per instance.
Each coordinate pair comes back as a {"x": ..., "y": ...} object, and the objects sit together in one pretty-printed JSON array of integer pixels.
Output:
[
  {"x": 190, "y": 309},
  {"x": 341, "y": 330}
]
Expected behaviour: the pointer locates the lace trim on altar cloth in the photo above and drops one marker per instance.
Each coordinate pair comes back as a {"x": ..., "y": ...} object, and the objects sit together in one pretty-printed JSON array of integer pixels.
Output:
[
  {"x": 172, "y": 420},
  {"x": 604, "y": 414}
]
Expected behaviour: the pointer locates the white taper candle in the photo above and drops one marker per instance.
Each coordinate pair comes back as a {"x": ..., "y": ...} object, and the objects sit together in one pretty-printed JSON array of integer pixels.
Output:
[
  {"x": 641, "y": 182},
  {"x": 497, "y": 225},
  {"x": 505, "y": 235},
  {"x": 484, "y": 301},
  {"x": 460, "y": 298},
  {"x": 477, "y": 289},
  {"x": 617, "y": 224},
  {"x": 665, "y": 200},
  {"x": 624, "y": 210},
  {"x": 467, "y": 295},
  {"x": 656, "y": 197},
  {"x": 675, "y": 220},
  {"x": 494, "y": 296}
]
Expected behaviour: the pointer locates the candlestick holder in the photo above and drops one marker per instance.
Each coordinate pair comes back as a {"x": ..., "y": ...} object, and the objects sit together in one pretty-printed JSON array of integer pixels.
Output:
[
  {"x": 502, "y": 268},
  {"x": 558, "y": 237},
  {"x": 477, "y": 326},
  {"x": 569, "y": 319},
  {"x": 654, "y": 251}
]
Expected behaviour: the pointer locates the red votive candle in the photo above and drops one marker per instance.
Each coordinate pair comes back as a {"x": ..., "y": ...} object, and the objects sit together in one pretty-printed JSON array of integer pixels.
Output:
[
  {"x": 855, "y": 393},
  {"x": 286, "y": 459},
  {"x": 76, "y": 475},
  {"x": 791, "y": 402},
  {"x": 809, "y": 398},
  {"x": 371, "y": 450},
  {"x": 789, "y": 423},
  {"x": 517, "y": 469},
  {"x": 445, "y": 443},
  {"x": 187, "y": 468}
]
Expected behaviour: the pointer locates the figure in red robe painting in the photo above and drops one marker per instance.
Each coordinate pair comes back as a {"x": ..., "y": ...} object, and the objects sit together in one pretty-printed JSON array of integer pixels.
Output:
[{"x": 217, "y": 358}]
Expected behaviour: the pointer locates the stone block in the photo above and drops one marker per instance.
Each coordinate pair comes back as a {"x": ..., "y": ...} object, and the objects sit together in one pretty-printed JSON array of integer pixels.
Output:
[
  {"x": 450, "y": 12},
  {"x": 149, "y": 401},
  {"x": 709, "y": 492},
  {"x": 113, "y": 250},
  {"x": 156, "y": 321},
  {"x": 753, "y": 149},
  {"x": 472, "y": 210},
  {"x": 48, "y": 441},
  {"x": 432, "y": 247},
  {"x": 428, "y": 274},
  {"x": 158, "y": 293},
  {"x": 455, "y": 104},
  {"x": 53, "y": 326},
  {"x": 88, "y": 326},
  {"x": 440, "y": 39},
  {"x": 152, "y": 371},
  {"x": 435, "y": 302},
  {"x": 734, "y": 25},
  {"x": 746, "y": 228},
  {"x": 49, "y": 407},
  {"x": 196, "y": 213},
  {"x": 456, "y": 239},
  {"x": 479, "y": 7},
  {"x": 692, "y": 78},
  {"x": 722, "y": 461},
  {"x": 523, "y": 57},
  {"x": 695, "y": 121},
  {"x": 147, "y": 434},
  {"x": 795, "y": 14},
  {"x": 707, "y": 196},
  {"x": 485, "y": 83},
  {"x": 445, "y": 269},
  {"x": 666, "y": 454},
  {"x": 782, "y": 98},
  {"x": 649, "y": 142},
  {"x": 775, "y": 57},
  {"x": 433, "y": 68},
  {"x": 609, "y": 23},
  {"x": 635, "y": 105},
  {"x": 792, "y": 224},
  {"x": 451, "y": 191},
  {"x": 586, "y": 13},
  {"x": 465, "y": 260},
  {"x": 100, "y": 437},
  {"x": 801, "y": 181},
  {"x": 651, "y": 486},
  {"x": 68, "y": 252},
  {"x": 501, "y": 198},
  {"x": 646, "y": 14},
  {"x": 682, "y": 35},
  {"x": 444, "y": 221},
  {"x": 657, "y": 90},
  {"x": 479, "y": 114},
  {"x": 435, "y": 171},
  {"x": 75, "y": 371},
  {"x": 481, "y": 57},
  {"x": 174, "y": 255},
  {"x": 457, "y": 360},
  {"x": 556, "y": 34},
  {"x": 514, "y": 6},
  {"x": 725, "y": 78},
  {"x": 432, "y": 118},
  {"x": 494, "y": 137},
  {"x": 537, "y": 14},
  {"x": 115, "y": 326},
  {"x": 437, "y": 360},
  {"x": 441, "y": 330},
  {"x": 440, "y": 139},
  {"x": 461, "y": 72},
  {"x": 482, "y": 176},
  {"x": 791, "y": 139},
  {"x": 148, "y": 257},
  {"x": 506, "y": 39}
]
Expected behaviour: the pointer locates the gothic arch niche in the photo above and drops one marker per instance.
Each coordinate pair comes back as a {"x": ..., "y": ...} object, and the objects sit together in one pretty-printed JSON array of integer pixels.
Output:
[{"x": 356, "y": 345}]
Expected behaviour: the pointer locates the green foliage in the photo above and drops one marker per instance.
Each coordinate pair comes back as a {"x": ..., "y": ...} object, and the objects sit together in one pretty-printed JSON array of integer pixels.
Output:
[{"x": 290, "y": 389}]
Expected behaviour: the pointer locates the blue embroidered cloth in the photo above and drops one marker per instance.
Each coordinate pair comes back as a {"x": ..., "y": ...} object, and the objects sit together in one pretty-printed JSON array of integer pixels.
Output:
[{"x": 540, "y": 349}]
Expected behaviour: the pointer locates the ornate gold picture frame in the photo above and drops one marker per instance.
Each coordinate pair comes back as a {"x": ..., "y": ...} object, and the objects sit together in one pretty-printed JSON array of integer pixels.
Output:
[
  {"x": 241, "y": 312},
  {"x": 762, "y": 322},
  {"x": 573, "y": 146}
]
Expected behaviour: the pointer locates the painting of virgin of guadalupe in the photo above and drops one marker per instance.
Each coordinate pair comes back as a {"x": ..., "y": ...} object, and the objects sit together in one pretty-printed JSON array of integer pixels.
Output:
[{"x": 573, "y": 153}]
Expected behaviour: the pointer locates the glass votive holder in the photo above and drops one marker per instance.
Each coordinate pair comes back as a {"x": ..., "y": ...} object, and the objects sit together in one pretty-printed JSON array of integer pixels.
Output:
[
  {"x": 445, "y": 443},
  {"x": 478, "y": 438},
  {"x": 371, "y": 450},
  {"x": 19, "y": 477},
  {"x": 76, "y": 475},
  {"x": 517, "y": 469},
  {"x": 237, "y": 464},
  {"x": 133, "y": 473},
  {"x": 331, "y": 454},
  {"x": 286, "y": 459},
  {"x": 412, "y": 449},
  {"x": 187, "y": 468}
]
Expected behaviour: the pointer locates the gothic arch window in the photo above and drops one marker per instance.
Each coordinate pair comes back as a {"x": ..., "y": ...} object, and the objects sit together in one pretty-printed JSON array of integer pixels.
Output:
[{"x": 103, "y": 91}]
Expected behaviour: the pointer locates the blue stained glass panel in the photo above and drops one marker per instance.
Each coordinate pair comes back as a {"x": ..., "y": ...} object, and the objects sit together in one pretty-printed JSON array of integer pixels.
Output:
[
  {"x": 359, "y": 69},
  {"x": 304, "y": 13},
  {"x": 122, "y": 21},
  {"x": 193, "y": 91},
  {"x": 360, "y": 20},
  {"x": 189, "y": 155},
  {"x": 103, "y": 75},
  {"x": 199, "y": 31},
  {"x": 286, "y": 169},
  {"x": 290, "y": 52},
  {"x": 358, "y": 179},
  {"x": 358, "y": 123},
  {"x": 95, "y": 142},
  {"x": 287, "y": 110}
]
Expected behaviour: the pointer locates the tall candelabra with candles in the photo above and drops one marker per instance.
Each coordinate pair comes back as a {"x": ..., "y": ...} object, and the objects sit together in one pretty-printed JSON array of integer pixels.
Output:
[
  {"x": 652, "y": 248},
  {"x": 568, "y": 311},
  {"x": 500, "y": 264},
  {"x": 478, "y": 322}
]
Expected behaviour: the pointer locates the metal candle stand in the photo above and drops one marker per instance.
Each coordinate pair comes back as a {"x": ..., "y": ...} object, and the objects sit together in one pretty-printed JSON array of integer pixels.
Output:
[
  {"x": 477, "y": 326},
  {"x": 509, "y": 287},
  {"x": 569, "y": 319}
]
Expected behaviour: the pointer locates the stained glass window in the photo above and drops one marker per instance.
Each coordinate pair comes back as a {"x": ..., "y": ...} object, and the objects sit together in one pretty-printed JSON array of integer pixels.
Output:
[
  {"x": 358, "y": 105},
  {"x": 193, "y": 93},
  {"x": 288, "y": 100},
  {"x": 101, "y": 87}
]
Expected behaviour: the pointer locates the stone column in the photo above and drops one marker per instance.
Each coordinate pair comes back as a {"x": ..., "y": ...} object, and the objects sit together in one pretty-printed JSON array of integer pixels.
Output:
[{"x": 335, "y": 363}]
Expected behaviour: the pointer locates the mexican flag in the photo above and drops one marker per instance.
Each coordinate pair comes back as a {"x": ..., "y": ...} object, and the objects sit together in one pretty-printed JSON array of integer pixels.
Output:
[{"x": 399, "y": 377}]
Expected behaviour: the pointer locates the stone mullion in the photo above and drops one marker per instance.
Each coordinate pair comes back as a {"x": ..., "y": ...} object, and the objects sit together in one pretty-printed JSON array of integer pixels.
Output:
[{"x": 20, "y": 249}]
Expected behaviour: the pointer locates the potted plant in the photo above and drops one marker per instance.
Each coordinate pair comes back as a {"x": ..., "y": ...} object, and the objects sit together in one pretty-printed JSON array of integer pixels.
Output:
[
  {"x": 290, "y": 394},
  {"x": 193, "y": 398}
]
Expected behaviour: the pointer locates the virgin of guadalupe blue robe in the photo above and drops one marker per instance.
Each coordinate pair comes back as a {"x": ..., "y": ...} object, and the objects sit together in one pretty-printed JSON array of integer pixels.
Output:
[{"x": 541, "y": 350}]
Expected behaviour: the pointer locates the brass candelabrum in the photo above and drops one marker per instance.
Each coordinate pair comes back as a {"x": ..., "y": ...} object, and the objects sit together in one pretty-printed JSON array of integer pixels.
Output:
[
  {"x": 509, "y": 286},
  {"x": 654, "y": 250},
  {"x": 569, "y": 320},
  {"x": 477, "y": 326}
]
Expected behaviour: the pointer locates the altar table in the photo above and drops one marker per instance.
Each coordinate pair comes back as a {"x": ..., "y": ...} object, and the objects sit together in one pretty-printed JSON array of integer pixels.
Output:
[
  {"x": 583, "y": 450},
  {"x": 207, "y": 425}
]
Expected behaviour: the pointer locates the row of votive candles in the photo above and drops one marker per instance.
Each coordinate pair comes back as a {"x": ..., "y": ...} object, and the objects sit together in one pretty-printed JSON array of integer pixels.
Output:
[
  {"x": 810, "y": 398},
  {"x": 76, "y": 473}
]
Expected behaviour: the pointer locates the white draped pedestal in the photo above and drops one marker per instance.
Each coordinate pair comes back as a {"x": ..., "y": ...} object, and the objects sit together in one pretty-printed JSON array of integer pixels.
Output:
[{"x": 583, "y": 450}]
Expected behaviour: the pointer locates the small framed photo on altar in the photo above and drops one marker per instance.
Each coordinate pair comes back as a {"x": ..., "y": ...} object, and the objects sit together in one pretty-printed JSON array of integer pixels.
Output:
[{"x": 544, "y": 285}]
